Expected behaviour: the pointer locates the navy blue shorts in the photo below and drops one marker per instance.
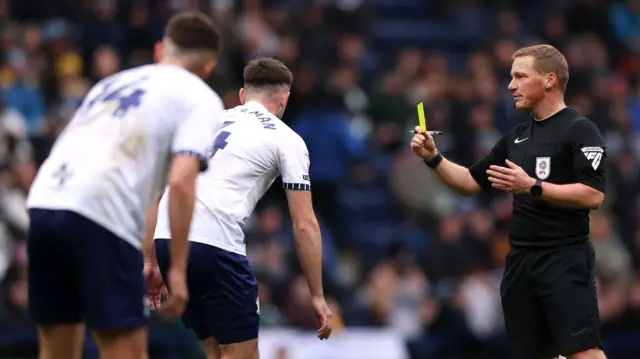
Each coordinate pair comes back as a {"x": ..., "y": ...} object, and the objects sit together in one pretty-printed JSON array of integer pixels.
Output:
[
  {"x": 81, "y": 272},
  {"x": 223, "y": 293}
]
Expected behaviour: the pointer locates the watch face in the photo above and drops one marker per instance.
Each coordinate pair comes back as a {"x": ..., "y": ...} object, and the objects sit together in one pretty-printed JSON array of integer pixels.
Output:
[{"x": 536, "y": 190}]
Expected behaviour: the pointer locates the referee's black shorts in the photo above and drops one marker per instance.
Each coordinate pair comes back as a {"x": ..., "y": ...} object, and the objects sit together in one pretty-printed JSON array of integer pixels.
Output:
[{"x": 549, "y": 301}]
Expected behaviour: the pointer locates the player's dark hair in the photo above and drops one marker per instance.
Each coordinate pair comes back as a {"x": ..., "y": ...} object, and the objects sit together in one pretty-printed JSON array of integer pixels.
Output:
[
  {"x": 193, "y": 30},
  {"x": 266, "y": 72}
]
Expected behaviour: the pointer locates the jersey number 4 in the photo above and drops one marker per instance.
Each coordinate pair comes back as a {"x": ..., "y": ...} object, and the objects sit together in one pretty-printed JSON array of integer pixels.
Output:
[{"x": 221, "y": 140}]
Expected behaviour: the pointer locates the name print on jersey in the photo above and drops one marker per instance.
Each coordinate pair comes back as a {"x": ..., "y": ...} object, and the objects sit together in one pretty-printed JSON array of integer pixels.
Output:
[{"x": 264, "y": 119}]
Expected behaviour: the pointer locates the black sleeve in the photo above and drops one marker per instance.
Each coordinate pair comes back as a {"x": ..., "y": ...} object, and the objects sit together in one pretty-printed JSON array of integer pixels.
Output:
[
  {"x": 497, "y": 156},
  {"x": 589, "y": 153}
]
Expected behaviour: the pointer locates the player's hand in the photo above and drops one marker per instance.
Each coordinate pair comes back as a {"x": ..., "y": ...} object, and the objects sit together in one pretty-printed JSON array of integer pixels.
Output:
[
  {"x": 324, "y": 317},
  {"x": 423, "y": 144},
  {"x": 156, "y": 289},
  {"x": 178, "y": 296},
  {"x": 511, "y": 178}
]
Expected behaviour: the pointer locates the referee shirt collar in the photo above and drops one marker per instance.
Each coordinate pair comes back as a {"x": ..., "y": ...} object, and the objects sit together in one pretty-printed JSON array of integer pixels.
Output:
[{"x": 553, "y": 115}]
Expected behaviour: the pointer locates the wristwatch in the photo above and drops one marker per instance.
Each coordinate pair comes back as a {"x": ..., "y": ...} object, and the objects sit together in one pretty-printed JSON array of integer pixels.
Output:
[
  {"x": 434, "y": 161},
  {"x": 536, "y": 189}
]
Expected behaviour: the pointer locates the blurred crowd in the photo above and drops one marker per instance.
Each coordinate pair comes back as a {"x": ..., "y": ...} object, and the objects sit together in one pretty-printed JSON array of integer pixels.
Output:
[{"x": 401, "y": 251}]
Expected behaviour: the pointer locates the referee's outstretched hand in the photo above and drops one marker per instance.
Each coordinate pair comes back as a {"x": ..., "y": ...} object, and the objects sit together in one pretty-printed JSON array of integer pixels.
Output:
[
  {"x": 511, "y": 178},
  {"x": 423, "y": 144},
  {"x": 324, "y": 317}
]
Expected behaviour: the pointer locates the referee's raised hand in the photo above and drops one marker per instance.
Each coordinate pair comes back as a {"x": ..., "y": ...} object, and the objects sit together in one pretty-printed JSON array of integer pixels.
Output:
[{"x": 423, "y": 144}]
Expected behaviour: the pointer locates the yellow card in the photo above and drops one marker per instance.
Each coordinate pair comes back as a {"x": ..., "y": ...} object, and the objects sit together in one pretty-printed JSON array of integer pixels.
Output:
[{"x": 421, "y": 120}]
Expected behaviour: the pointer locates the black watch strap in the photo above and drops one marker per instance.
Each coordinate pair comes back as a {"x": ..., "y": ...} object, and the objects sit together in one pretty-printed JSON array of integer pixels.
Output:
[{"x": 434, "y": 162}]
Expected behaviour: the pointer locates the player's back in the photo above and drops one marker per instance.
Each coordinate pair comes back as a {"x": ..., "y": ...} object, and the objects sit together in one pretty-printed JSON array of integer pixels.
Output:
[
  {"x": 113, "y": 156},
  {"x": 248, "y": 156}
]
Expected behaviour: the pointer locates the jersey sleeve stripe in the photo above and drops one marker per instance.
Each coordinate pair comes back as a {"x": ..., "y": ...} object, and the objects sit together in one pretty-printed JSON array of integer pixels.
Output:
[
  {"x": 297, "y": 186},
  {"x": 204, "y": 161}
]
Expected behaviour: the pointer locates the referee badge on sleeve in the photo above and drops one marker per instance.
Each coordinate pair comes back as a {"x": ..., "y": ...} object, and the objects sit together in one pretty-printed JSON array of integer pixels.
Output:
[{"x": 543, "y": 167}]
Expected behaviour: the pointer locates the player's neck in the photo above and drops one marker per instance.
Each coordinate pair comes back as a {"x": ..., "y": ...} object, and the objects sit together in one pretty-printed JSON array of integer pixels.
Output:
[
  {"x": 546, "y": 109},
  {"x": 178, "y": 63},
  {"x": 267, "y": 104}
]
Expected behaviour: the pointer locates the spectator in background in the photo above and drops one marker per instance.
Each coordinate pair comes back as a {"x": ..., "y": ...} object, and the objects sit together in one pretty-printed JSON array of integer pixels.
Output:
[
  {"x": 72, "y": 84},
  {"x": 23, "y": 92},
  {"x": 16, "y": 173},
  {"x": 332, "y": 145},
  {"x": 625, "y": 18},
  {"x": 106, "y": 62},
  {"x": 397, "y": 291}
]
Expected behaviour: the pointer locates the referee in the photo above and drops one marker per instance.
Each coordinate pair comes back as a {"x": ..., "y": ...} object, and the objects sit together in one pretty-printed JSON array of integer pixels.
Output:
[{"x": 553, "y": 164}]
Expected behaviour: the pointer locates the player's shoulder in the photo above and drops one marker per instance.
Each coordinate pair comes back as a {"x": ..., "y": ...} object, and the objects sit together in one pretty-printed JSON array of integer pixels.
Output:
[
  {"x": 164, "y": 78},
  {"x": 137, "y": 73},
  {"x": 127, "y": 73},
  {"x": 123, "y": 76},
  {"x": 118, "y": 81},
  {"x": 291, "y": 138},
  {"x": 186, "y": 87},
  {"x": 284, "y": 137},
  {"x": 288, "y": 144}
]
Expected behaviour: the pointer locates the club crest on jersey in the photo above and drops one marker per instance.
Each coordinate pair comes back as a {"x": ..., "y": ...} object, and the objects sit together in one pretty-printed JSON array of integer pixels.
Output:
[
  {"x": 543, "y": 167},
  {"x": 593, "y": 155}
]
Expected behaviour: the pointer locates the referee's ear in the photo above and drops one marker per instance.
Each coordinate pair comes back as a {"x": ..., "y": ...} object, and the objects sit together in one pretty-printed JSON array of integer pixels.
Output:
[{"x": 550, "y": 81}]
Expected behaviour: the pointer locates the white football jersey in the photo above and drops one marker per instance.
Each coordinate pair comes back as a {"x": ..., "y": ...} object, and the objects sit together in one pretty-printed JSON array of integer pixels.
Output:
[
  {"x": 112, "y": 159},
  {"x": 251, "y": 150}
]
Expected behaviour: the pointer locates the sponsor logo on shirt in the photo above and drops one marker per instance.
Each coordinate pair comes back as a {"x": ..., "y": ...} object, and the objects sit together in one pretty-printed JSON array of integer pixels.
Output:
[{"x": 594, "y": 155}]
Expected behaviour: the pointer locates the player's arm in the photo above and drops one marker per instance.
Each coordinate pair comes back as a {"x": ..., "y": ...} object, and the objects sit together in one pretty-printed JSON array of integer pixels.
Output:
[
  {"x": 182, "y": 195},
  {"x": 294, "y": 168},
  {"x": 306, "y": 232},
  {"x": 191, "y": 151},
  {"x": 588, "y": 163},
  {"x": 148, "y": 245}
]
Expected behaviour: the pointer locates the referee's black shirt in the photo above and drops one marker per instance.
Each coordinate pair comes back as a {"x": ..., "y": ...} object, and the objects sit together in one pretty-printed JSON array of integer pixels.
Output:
[{"x": 562, "y": 149}]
